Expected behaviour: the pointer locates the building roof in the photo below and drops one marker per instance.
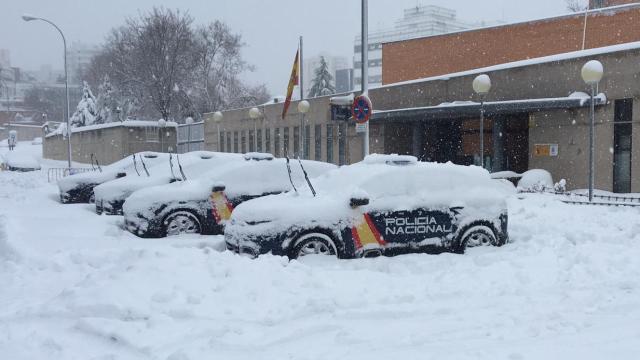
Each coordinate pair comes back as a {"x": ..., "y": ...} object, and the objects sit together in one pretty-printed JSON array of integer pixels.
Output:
[{"x": 471, "y": 109}]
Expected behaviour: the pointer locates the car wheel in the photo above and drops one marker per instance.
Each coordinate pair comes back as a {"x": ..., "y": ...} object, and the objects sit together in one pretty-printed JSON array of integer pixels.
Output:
[
  {"x": 92, "y": 198},
  {"x": 477, "y": 236},
  {"x": 313, "y": 244},
  {"x": 181, "y": 222}
]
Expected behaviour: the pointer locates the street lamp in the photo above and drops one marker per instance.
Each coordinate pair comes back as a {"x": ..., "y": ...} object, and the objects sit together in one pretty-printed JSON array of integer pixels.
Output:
[
  {"x": 303, "y": 108},
  {"x": 26, "y": 17},
  {"x": 482, "y": 86},
  {"x": 161, "y": 124},
  {"x": 592, "y": 73},
  {"x": 255, "y": 114},
  {"x": 217, "y": 119}
]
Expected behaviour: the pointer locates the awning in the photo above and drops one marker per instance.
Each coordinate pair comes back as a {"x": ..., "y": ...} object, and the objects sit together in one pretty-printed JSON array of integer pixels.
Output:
[{"x": 457, "y": 110}]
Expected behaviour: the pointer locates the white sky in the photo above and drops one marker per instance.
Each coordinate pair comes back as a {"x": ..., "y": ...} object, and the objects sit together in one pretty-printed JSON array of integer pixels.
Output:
[{"x": 270, "y": 28}]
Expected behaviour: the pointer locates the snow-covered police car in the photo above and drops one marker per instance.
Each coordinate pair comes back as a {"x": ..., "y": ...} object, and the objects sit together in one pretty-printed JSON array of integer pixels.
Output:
[
  {"x": 384, "y": 205},
  {"x": 110, "y": 196},
  {"x": 78, "y": 188},
  {"x": 205, "y": 204}
]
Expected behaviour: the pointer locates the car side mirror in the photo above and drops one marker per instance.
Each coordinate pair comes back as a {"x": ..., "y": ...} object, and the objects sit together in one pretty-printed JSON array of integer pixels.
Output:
[
  {"x": 357, "y": 202},
  {"x": 218, "y": 188},
  {"x": 121, "y": 175},
  {"x": 173, "y": 180}
]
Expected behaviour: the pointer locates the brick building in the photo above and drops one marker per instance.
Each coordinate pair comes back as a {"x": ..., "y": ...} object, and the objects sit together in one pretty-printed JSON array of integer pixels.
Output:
[{"x": 466, "y": 50}]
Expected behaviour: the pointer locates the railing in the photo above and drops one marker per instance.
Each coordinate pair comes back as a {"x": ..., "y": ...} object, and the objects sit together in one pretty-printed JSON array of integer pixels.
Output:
[
  {"x": 602, "y": 200},
  {"x": 55, "y": 174}
]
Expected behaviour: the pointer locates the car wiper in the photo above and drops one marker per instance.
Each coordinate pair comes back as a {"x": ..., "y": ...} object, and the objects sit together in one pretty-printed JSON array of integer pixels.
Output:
[
  {"x": 290, "y": 179},
  {"x": 306, "y": 177},
  {"x": 173, "y": 176},
  {"x": 135, "y": 164},
  {"x": 144, "y": 166},
  {"x": 184, "y": 177},
  {"x": 92, "y": 167},
  {"x": 98, "y": 164}
]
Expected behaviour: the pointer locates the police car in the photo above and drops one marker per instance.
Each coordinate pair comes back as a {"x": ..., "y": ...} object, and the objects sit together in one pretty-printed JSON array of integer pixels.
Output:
[
  {"x": 110, "y": 196},
  {"x": 78, "y": 188},
  {"x": 205, "y": 204},
  {"x": 384, "y": 205}
]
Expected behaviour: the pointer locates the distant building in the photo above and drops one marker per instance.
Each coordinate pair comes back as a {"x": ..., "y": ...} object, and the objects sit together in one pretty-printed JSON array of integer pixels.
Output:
[
  {"x": 418, "y": 21},
  {"x": 5, "y": 58},
  {"x": 79, "y": 58},
  {"x": 334, "y": 63},
  {"x": 344, "y": 80}
]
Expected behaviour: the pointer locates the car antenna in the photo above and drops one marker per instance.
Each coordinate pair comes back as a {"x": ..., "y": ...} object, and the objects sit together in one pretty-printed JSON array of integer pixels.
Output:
[
  {"x": 144, "y": 166},
  {"x": 306, "y": 177},
  {"x": 92, "y": 167},
  {"x": 290, "y": 179},
  {"x": 173, "y": 176},
  {"x": 184, "y": 177},
  {"x": 135, "y": 164},
  {"x": 98, "y": 164}
]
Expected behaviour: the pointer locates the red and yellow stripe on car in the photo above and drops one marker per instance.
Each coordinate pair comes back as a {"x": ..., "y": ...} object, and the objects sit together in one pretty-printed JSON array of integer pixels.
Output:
[
  {"x": 222, "y": 207},
  {"x": 366, "y": 235}
]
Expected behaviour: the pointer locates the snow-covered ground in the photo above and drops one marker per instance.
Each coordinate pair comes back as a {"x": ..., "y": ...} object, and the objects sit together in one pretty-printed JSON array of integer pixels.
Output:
[{"x": 74, "y": 285}]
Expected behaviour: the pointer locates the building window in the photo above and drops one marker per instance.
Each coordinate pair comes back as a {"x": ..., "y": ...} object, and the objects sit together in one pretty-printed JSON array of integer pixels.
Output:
[
  {"x": 276, "y": 143},
  {"x": 329, "y": 143},
  {"x": 296, "y": 141},
  {"x": 267, "y": 140},
  {"x": 243, "y": 141},
  {"x": 259, "y": 136},
  {"x": 221, "y": 142},
  {"x": 235, "y": 142},
  {"x": 318, "y": 142},
  {"x": 340, "y": 112},
  {"x": 307, "y": 141},
  {"x": 342, "y": 144},
  {"x": 285, "y": 142},
  {"x": 252, "y": 141},
  {"x": 229, "y": 142},
  {"x": 622, "y": 146},
  {"x": 152, "y": 133}
]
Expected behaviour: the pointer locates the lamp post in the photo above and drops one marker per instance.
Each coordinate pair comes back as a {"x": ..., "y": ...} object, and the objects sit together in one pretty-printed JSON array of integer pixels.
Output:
[
  {"x": 482, "y": 86},
  {"x": 66, "y": 79},
  {"x": 592, "y": 73},
  {"x": 217, "y": 119},
  {"x": 161, "y": 124},
  {"x": 303, "y": 108},
  {"x": 119, "y": 112},
  {"x": 255, "y": 114}
]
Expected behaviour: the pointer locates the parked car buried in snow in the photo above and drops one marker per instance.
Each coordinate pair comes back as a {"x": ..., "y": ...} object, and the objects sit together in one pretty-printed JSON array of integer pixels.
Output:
[
  {"x": 205, "y": 204},
  {"x": 384, "y": 205},
  {"x": 21, "y": 162},
  {"x": 78, "y": 188},
  {"x": 110, "y": 196}
]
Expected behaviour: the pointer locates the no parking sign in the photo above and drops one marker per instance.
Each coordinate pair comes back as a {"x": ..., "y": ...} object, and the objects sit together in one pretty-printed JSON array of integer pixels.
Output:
[{"x": 362, "y": 109}]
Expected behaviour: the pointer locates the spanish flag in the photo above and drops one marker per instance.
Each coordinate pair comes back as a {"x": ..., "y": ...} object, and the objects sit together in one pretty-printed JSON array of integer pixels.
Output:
[
  {"x": 221, "y": 207},
  {"x": 366, "y": 235},
  {"x": 293, "y": 81}
]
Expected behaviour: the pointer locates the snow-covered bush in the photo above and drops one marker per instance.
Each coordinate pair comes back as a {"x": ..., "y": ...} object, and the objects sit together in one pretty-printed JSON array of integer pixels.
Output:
[{"x": 86, "y": 111}]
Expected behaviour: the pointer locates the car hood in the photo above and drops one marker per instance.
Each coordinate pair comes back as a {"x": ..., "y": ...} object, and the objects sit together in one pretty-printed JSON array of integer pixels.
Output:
[{"x": 120, "y": 189}]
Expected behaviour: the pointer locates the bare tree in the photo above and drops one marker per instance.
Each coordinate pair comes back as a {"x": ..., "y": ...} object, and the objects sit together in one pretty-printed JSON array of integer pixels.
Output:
[{"x": 577, "y": 5}]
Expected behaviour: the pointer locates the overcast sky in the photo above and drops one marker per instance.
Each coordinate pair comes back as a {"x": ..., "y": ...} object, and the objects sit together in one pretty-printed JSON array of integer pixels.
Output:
[{"x": 269, "y": 28}]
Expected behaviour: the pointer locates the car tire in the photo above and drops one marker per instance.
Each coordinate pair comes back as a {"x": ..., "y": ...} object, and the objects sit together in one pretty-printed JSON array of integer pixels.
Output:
[
  {"x": 313, "y": 244},
  {"x": 476, "y": 236},
  {"x": 181, "y": 222}
]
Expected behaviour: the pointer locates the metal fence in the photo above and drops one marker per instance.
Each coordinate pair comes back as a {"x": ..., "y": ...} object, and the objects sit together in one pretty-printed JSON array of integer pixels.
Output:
[
  {"x": 190, "y": 137},
  {"x": 599, "y": 200},
  {"x": 55, "y": 174}
]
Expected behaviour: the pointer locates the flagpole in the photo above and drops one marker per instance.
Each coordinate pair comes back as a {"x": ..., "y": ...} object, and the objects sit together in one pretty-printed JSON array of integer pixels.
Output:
[{"x": 301, "y": 132}]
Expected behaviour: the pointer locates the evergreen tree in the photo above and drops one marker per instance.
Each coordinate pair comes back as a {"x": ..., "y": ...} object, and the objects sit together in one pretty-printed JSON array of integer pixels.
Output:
[
  {"x": 86, "y": 111},
  {"x": 322, "y": 83},
  {"x": 107, "y": 102}
]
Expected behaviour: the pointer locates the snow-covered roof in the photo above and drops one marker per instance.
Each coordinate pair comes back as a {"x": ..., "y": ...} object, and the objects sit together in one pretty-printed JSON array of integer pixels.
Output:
[
  {"x": 127, "y": 123},
  {"x": 523, "y": 63}
]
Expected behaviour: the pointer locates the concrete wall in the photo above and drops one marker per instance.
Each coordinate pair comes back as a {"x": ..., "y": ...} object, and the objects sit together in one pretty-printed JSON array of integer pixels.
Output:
[
  {"x": 450, "y": 53},
  {"x": 25, "y": 132},
  {"x": 107, "y": 144}
]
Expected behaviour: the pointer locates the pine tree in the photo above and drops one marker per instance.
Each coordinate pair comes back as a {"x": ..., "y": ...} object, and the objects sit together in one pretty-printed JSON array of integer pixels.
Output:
[
  {"x": 107, "y": 102},
  {"x": 86, "y": 110},
  {"x": 322, "y": 83}
]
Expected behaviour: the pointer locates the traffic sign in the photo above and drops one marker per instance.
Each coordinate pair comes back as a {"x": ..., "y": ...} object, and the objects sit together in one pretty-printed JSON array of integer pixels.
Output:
[{"x": 362, "y": 109}]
